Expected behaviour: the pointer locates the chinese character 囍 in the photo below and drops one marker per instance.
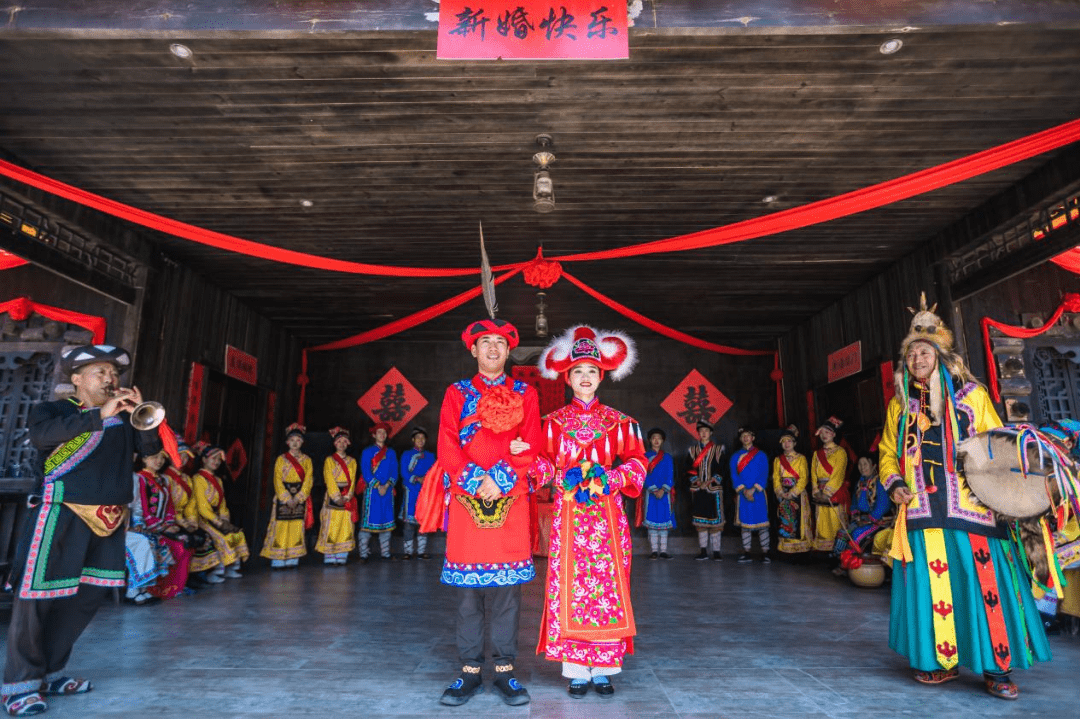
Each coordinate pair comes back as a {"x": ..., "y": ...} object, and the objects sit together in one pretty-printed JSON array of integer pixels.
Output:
[
  {"x": 559, "y": 25},
  {"x": 470, "y": 22},
  {"x": 697, "y": 405},
  {"x": 516, "y": 20},
  {"x": 392, "y": 406}
]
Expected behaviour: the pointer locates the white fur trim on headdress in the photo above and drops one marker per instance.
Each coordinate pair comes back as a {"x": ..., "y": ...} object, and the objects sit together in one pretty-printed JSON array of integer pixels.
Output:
[{"x": 617, "y": 352}]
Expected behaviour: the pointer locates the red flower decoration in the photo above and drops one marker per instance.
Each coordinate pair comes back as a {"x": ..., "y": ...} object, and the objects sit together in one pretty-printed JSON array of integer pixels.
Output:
[
  {"x": 850, "y": 559},
  {"x": 542, "y": 273},
  {"x": 500, "y": 409}
]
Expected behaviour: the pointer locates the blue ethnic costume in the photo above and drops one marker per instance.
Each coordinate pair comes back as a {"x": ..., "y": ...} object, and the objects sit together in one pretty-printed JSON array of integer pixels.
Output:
[
  {"x": 414, "y": 465},
  {"x": 379, "y": 466},
  {"x": 750, "y": 471}
]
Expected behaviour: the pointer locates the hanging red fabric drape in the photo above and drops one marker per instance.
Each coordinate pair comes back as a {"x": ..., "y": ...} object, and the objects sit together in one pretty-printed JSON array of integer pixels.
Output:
[
  {"x": 217, "y": 239},
  {"x": 1069, "y": 303},
  {"x": 1068, "y": 261},
  {"x": 391, "y": 328},
  {"x": 8, "y": 260},
  {"x": 21, "y": 308},
  {"x": 659, "y": 328},
  {"x": 851, "y": 203},
  {"x": 777, "y": 376},
  {"x": 833, "y": 208}
]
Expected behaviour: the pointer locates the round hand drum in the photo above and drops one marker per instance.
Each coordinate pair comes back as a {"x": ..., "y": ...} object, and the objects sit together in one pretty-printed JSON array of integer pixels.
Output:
[{"x": 992, "y": 468}]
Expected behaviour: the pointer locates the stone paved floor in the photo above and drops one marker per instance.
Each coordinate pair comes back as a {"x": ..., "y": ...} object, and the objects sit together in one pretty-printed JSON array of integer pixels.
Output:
[{"x": 715, "y": 640}]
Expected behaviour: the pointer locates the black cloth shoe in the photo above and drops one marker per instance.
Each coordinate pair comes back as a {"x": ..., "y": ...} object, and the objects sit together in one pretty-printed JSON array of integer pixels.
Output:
[
  {"x": 462, "y": 689},
  {"x": 744, "y": 558},
  {"x": 765, "y": 559},
  {"x": 654, "y": 555},
  {"x": 406, "y": 557},
  {"x": 603, "y": 686},
  {"x": 717, "y": 557},
  {"x": 703, "y": 554},
  {"x": 424, "y": 555},
  {"x": 665, "y": 555},
  {"x": 578, "y": 688},
  {"x": 510, "y": 688}
]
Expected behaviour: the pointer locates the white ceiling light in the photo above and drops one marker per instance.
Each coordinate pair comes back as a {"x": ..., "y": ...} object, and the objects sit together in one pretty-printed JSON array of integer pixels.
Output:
[
  {"x": 890, "y": 46},
  {"x": 181, "y": 51}
]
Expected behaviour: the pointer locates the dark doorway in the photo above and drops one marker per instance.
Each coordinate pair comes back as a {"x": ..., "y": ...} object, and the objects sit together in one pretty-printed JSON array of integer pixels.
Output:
[
  {"x": 858, "y": 401},
  {"x": 233, "y": 415}
]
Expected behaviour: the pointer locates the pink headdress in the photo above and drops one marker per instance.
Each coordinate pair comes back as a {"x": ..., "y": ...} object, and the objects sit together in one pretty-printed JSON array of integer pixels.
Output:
[{"x": 611, "y": 351}]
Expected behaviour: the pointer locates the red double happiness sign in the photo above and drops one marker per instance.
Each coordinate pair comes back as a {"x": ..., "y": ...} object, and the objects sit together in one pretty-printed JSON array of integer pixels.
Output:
[{"x": 533, "y": 29}]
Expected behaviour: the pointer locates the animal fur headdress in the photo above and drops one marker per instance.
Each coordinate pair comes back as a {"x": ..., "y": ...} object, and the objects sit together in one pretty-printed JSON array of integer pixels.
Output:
[
  {"x": 609, "y": 350},
  {"x": 927, "y": 327}
]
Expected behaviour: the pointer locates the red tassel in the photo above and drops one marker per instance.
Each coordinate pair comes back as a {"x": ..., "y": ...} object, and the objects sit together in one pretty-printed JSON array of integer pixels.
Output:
[{"x": 169, "y": 443}]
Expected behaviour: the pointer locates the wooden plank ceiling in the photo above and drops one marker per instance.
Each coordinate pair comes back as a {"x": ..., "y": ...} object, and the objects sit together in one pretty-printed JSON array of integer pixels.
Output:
[{"x": 402, "y": 154}]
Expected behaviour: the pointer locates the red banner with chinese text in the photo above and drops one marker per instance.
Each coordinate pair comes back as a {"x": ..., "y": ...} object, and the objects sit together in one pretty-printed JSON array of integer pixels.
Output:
[
  {"x": 846, "y": 361},
  {"x": 533, "y": 30}
]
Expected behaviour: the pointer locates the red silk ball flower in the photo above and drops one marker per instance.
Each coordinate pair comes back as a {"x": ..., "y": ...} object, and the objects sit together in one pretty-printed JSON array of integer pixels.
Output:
[{"x": 500, "y": 409}]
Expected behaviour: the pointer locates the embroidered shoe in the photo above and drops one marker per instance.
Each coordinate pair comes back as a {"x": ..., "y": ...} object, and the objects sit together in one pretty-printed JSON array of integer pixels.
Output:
[
  {"x": 25, "y": 704},
  {"x": 463, "y": 688},
  {"x": 603, "y": 686},
  {"x": 937, "y": 676},
  {"x": 66, "y": 685},
  {"x": 512, "y": 692},
  {"x": 1001, "y": 686},
  {"x": 578, "y": 688}
]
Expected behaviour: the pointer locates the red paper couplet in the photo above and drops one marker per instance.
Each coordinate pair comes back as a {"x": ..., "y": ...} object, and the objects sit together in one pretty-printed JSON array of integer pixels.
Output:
[
  {"x": 392, "y": 400},
  {"x": 194, "y": 403},
  {"x": 533, "y": 30},
  {"x": 695, "y": 398}
]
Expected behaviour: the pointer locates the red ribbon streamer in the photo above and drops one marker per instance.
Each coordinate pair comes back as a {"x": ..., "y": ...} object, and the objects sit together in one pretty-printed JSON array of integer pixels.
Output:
[
  {"x": 388, "y": 329},
  {"x": 9, "y": 261},
  {"x": 833, "y": 208},
  {"x": 1069, "y": 303},
  {"x": 851, "y": 203},
  {"x": 21, "y": 308},
  {"x": 659, "y": 328}
]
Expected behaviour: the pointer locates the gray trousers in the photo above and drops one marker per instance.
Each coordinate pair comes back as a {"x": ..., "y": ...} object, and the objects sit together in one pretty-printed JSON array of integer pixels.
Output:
[
  {"x": 501, "y": 605},
  {"x": 41, "y": 635}
]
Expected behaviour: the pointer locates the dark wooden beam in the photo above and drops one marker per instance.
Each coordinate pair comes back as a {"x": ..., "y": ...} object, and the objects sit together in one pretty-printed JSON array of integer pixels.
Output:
[
  {"x": 1060, "y": 240},
  {"x": 332, "y": 17},
  {"x": 13, "y": 241}
]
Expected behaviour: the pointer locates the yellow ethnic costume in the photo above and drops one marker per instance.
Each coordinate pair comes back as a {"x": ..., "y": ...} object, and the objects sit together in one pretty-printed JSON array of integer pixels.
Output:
[
  {"x": 336, "y": 519},
  {"x": 829, "y": 518},
  {"x": 210, "y": 501},
  {"x": 961, "y": 595},
  {"x": 292, "y": 491},
  {"x": 791, "y": 474}
]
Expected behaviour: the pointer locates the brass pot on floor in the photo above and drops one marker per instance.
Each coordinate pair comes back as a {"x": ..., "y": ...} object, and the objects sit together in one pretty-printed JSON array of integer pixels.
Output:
[{"x": 869, "y": 574}]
